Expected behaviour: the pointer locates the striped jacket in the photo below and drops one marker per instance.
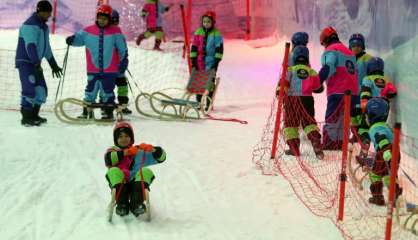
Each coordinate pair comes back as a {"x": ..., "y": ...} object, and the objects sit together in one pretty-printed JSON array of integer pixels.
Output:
[
  {"x": 207, "y": 48},
  {"x": 302, "y": 80},
  {"x": 106, "y": 49}
]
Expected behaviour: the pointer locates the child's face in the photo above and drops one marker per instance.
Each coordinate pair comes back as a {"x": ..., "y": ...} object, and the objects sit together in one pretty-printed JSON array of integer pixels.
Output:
[
  {"x": 356, "y": 49},
  {"x": 207, "y": 22},
  {"x": 102, "y": 21},
  {"x": 124, "y": 140}
]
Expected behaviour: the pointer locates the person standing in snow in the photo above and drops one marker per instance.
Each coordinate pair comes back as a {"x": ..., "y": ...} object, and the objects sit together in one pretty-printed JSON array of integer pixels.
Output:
[
  {"x": 152, "y": 14},
  {"x": 207, "y": 48},
  {"x": 33, "y": 45},
  {"x": 299, "y": 105},
  {"x": 127, "y": 169},
  {"x": 106, "y": 56},
  {"x": 339, "y": 70}
]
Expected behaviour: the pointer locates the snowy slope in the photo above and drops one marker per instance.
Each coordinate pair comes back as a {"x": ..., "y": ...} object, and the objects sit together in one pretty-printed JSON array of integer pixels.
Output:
[{"x": 54, "y": 186}]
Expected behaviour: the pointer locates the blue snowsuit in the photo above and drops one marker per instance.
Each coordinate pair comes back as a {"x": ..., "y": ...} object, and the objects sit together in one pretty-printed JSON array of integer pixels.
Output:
[{"x": 33, "y": 45}]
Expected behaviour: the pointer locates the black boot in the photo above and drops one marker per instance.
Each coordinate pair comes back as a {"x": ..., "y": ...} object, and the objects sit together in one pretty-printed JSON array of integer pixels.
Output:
[
  {"x": 122, "y": 201},
  {"x": 36, "y": 109},
  {"x": 137, "y": 199},
  {"x": 108, "y": 113},
  {"x": 157, "y": 45},
  {"x": 293, "y": 147},
  {"x": 139, "y": 39},
  {"x": 376, "y": 190},
  {"x": 28, "y": 118},
  {"x": 315, "y": 138},
  {"x": 86, "y": 114}
]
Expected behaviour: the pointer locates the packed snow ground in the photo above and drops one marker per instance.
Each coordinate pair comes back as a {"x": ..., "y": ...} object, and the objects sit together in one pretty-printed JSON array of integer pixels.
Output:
[{"x": 53, "y": 176}]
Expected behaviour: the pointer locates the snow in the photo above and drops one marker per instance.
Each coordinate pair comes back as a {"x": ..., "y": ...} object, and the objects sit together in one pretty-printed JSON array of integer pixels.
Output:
[{"x": 53, "y": 176}]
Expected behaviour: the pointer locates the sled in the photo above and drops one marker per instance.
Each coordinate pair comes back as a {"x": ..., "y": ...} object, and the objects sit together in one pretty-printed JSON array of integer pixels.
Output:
[
  {"x": 355, "y": 170},
  {"x": 164, "y": 105},
  {"x": 62, "y": 113},
  {"x": 411, "y": 221}
]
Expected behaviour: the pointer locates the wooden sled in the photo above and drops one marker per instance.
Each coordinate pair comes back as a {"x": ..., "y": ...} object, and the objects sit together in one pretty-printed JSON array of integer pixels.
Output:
[
  {"x": 165, "y": 107},
  {"x": 63, "y": 116}
]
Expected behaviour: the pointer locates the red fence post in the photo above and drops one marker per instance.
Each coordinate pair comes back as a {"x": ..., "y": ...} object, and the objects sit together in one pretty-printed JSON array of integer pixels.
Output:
[
  {"x": 392, "y": 183},
  {"x": 343, "y": 174},
  {"x": 186, "y": 38},
  {"x": 189, "y": 17},
  {"x": 280, "y": 101},
  {"x": 54, "y": 17},
  {"x": 248, "y": 21}
]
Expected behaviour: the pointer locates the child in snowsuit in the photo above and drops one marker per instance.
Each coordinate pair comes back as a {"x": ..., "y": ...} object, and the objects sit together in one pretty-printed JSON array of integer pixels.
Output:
[
  {"x": 374, "y": 84},
  {"x": 125, "y": 161},
  {"x": 377, "y": 110},
  {"x": 299, "y": 105},
  {"x": 151, "y": 12},
  {"x": 358, "y": 46},
  {"x": 121, "y": 80},
  {"x": 207, "y": 48},
  {"x": 339, "y": 70},
  {"x": 33, "y": 45},
  {"x": 106, "y": 57}
]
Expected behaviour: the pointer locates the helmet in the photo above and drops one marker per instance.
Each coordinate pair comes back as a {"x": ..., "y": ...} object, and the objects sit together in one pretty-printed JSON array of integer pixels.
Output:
[
  {"x": 377, "y": 110},
  {"x": 211, "y": 15},
  {"x": 104, "y": 10},
  {"x": 115, "y": 16},
  {"x": 326, "y": 34},
  {"x": 123, "y": 127},
  {"x": 300, "y": 53},
  {"x": 357, "y": 39},
  {"x": 375, "y": 64},
  {"x": 43, "y": 6},
  {"x": 300, "y": 38}
]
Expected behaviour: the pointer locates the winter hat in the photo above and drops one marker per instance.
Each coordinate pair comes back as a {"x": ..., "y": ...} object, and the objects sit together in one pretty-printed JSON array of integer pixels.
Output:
[
  {"x": 300, "y": 38},
  {"x": 123, "y": 127},
  {"x": 43, "y": 6},
  {"x": 375, "y": 65},
  {"x": 327, "y": 35},
  {"x": 211, "y": 15},
  {"x": 300, "y": 54},
  {"x": 357, "y": 39},
  {"x": 115, "y": 16}
]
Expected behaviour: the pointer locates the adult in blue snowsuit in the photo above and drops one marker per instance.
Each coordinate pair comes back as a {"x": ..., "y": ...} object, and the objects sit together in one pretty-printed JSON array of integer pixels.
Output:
[{"x": 33, "y": 45}]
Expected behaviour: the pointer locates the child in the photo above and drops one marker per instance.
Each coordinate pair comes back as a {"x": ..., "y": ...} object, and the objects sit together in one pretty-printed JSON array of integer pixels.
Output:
[
  {"x": 358, "y": 47},
  {"x": 125, "y": 161},
  {"x": 151, "y": 12},
  {"x": 374, "y": 84},
  {"x": 377, "y": 110},
  {"x": 106, "y": 56},
  {"x": 299, "y": 105},
  {"x": 121, "y": 80},
  {"x": 207, "y": 48}
]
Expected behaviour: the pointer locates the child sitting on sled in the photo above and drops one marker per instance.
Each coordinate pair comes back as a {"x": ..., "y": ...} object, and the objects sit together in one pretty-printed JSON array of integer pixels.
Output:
[{"x": 127, "y": 171}]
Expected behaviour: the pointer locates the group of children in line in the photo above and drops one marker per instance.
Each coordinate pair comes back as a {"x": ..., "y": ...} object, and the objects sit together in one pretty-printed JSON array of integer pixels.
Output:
[{"x": 342, "y": 69}]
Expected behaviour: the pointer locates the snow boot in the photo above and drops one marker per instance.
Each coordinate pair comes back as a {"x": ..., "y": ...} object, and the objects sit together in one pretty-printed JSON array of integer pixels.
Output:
[
  {"x": 36, "y": 109},
  {"x": 122, "y": 201},
  {"x": 28, "y": 118},
  {"x": 108, "y": 113},
  {"x": 293, "y": 147},
  {"x": 137, "y": 199},
  {"x": 86, "y": 114},
  {"x": 139, "y": 39},
  {"x": 157, "y": 45},
  {"x": 315, "y": 138},
  {"x": 376, "y": 190}
]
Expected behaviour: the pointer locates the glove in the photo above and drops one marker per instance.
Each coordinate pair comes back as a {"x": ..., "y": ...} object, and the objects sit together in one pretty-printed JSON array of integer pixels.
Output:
[
  {"x": 389, "y": 91},
  {"x": 387, "y": 155},
  {"x": 69, "y": 40},
  {"x": 56, "y": 71},
  {"x": 146, "y": 147},
  {"x": 131, "y": 151},
  {"x": 319, "y": 90}
]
